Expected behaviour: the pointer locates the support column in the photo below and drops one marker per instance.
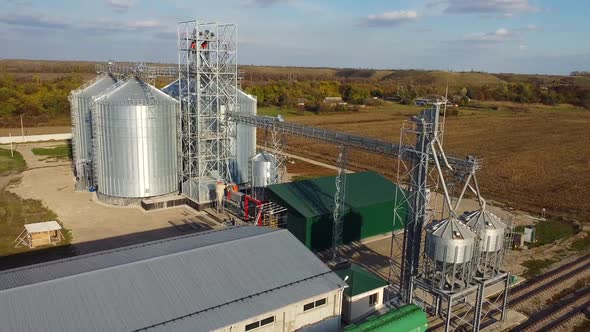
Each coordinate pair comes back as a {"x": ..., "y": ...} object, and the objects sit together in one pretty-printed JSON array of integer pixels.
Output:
[
  {"x": 449, "y": 313},
  {"x": 478, "y": 306},
  {"x": 505, "y": 299}
]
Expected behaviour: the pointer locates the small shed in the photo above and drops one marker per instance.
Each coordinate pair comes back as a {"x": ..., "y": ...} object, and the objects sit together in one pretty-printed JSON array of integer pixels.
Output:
[
  {"x": 364, "y": 294},
  {"x": 334, "y": 101},
  {"x": 40, "y": 234}
]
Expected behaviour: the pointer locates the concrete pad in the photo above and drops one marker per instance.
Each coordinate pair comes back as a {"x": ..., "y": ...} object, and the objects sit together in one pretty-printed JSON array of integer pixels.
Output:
[{"x": 94, "y": 225}]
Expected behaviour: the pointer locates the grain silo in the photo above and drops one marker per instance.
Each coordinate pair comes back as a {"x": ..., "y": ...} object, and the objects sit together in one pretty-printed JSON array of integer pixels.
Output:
[
  {"x": 81, "y": 109},
  {"x": 264, "y": 170},
  {"x": 135, "y": 143},
  {"x": 449, "y": 250},
  {"x": 491, "y": 233},
  {"x": 244, "y": 147}
]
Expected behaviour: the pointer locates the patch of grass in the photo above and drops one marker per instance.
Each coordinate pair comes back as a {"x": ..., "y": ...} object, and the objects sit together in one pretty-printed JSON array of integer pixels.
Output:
[
  {"x": 15, "y": 212},
  {"x": 552, "y": 230},
  {"x": 61, "y": 152},
  {"x": 285, "y": 112},
  {"x": 535, "y": 266},
  {"x": 9, "y": 163},
  {"x": 581, "y": 243}
]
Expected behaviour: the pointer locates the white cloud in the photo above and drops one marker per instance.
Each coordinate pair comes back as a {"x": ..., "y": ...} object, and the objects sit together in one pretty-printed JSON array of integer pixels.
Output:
[
  {"x": 120, "y": 5},
  {"x": 144, "y": 24},
  {"x": 503, "y": 7},
  {"x": 523, "y": 47},
  {"x": 263, "y": 3},
  {"x": 499, "y": 36},
  {"x": 33, "y": 20},
  {"x": 391, "y": 18}
]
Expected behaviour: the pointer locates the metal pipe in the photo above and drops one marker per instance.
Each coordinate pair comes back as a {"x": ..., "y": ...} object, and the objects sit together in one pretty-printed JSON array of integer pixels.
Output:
[
  {"x": 463, "y": 191},
  {"x": 482, "y": 202},
  {"x": 442, "y": 180}
]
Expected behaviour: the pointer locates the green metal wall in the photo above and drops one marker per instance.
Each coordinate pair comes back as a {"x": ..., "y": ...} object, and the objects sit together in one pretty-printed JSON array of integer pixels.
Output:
[{"x": 359, "y": 223}]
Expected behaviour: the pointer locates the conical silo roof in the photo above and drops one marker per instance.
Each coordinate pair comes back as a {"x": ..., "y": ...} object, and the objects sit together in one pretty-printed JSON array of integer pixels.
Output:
[
  {"x": 134, "y": 91},
  {"x": 483, "y": 219},
  {"x": 96, "y": 87},
  {"x": 451, "y": 229}
]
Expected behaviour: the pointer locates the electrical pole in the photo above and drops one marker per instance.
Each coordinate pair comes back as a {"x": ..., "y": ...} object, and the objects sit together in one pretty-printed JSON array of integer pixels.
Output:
[{"x": 22, "y": 128}]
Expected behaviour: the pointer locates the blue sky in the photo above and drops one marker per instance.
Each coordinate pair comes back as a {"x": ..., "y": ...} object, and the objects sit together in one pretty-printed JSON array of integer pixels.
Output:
[{"x": 525, "y": 36}]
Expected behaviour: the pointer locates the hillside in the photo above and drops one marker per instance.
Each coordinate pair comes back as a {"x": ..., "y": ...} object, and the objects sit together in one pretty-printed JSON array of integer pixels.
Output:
[{"x": 38, "y": 89}]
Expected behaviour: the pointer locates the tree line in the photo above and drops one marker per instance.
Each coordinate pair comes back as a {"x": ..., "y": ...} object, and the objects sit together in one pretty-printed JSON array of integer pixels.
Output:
[
  {"x": 38, "y": 100},
  {"x": 285, "y": 93}
]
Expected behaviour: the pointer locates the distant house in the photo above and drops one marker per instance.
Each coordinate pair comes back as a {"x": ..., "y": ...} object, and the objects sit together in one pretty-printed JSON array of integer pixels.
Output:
[
  {"x": 334, "y": 101},
  {"x": 302, "y": 101},
  {"x": 421, "y": 101},
  {"x": 429, "y": 99},
  {"x": 364, "y": 294}
]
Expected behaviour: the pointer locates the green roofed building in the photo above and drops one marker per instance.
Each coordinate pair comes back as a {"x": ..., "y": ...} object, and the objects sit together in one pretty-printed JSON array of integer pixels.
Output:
[
  {"x": 364, "y": 294},
  {"x": 370, "y": 201}
]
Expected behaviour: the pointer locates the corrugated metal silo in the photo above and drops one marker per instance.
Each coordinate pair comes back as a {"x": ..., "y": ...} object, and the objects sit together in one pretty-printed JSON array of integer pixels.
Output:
[
  {"x": 245, "y": 140},
  {"x": 136, "y": 142},
  {"x": 449, "y": 242},
  {"x": 81, "y": 111},
  {"x": 264, "y": 170}
]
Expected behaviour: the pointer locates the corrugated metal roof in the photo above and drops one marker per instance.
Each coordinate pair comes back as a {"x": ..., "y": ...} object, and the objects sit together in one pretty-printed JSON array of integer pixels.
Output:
[
  {"x": 134, "y": 90},
  {"x": 451, "y": 229},
  {"x": 315, "y": 197},
  {"x": 97, "y": 86},
  {"x": 194, "y": 282}
]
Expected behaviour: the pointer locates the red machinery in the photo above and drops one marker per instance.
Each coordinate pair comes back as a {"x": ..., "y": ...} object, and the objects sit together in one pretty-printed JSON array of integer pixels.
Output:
[{"x": 258, "y": 218}]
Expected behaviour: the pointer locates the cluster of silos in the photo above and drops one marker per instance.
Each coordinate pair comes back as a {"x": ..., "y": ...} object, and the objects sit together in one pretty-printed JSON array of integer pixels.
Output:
[
  {"x": 459, "y": 250},
  {"x": 131, "y": 136}
]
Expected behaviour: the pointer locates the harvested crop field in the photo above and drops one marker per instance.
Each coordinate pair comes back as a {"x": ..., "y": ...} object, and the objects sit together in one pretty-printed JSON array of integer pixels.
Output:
[{"x": 531, "y": 159}]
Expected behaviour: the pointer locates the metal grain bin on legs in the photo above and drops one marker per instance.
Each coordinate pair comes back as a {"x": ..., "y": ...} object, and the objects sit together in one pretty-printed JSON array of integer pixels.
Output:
[{"x": 136, "y": 142}]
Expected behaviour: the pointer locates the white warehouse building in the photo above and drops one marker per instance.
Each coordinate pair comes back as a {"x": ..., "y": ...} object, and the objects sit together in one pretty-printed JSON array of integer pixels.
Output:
[{"x": 237, "y": 279}]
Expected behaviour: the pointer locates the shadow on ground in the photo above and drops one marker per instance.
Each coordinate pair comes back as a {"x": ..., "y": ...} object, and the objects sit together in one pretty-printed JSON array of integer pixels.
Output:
[{"x": 58, "y": 252}]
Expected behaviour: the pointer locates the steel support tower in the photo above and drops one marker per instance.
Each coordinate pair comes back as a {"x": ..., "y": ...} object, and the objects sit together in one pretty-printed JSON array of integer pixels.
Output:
[
  {"x": 339, "y": 198},
  {"x": 207, "y": 70}
]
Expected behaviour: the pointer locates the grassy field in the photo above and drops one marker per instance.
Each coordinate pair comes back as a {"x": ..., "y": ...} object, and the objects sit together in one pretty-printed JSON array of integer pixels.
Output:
[
  {"x": 535, "y": 158},
  {"x": 15, "y": 212},
  {"x": 62, "y": 152},
  {"x": 552, "y": 230},
  {"x": 10, "y": 163}
]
